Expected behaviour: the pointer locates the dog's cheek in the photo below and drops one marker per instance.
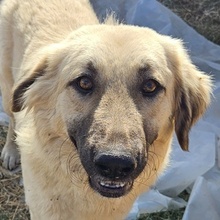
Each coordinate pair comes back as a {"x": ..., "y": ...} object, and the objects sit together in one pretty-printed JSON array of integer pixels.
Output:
[
  {"x": 78, "y": 128},
  {"x": 151, "y": 125}
]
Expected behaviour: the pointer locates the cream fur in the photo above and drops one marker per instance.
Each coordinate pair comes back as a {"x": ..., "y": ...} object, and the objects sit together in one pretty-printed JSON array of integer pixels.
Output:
[{"x": 55, "y": 39}]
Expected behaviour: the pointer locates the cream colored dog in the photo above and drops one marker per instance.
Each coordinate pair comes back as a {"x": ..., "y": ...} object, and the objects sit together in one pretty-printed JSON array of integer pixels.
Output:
[{"x": 94, "y": 107}]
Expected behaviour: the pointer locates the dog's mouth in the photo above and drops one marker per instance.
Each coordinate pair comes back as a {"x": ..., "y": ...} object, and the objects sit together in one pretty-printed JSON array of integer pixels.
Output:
[
  {"x": 110, "y": 188},
  {"x": 110, "y": 175}
]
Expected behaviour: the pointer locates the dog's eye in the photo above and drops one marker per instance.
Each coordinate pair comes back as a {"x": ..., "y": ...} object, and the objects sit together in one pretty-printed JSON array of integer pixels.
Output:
[
  {"x": 150, "y": 87},
  {"x": 84, "y": 84}
]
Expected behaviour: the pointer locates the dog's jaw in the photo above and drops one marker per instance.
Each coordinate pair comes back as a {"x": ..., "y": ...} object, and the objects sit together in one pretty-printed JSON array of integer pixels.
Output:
[{"x": 110, "y": 188}]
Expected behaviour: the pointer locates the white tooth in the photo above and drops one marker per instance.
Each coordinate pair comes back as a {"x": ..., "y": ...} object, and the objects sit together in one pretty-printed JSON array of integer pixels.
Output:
[
  {"x": 102, "y": 183},
  {"x": 122, "y": 184},
  {"x": 112, "y": 185}
]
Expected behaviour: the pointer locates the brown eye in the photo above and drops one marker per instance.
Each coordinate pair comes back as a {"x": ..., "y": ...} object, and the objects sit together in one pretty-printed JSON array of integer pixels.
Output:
[
  {"x": 84, "y": 84},
  {"x": 150, "y": 87}
]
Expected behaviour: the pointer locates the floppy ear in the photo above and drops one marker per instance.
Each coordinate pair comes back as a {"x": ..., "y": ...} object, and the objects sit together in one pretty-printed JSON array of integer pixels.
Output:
[
  {"x": 18, "y": 100},
  {"x": 37, "y": 84},
  {"x": 192, "y": 92}
]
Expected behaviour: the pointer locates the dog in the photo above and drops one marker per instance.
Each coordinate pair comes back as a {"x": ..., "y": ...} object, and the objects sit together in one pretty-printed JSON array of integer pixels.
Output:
[{"x": 93, "y": 107}]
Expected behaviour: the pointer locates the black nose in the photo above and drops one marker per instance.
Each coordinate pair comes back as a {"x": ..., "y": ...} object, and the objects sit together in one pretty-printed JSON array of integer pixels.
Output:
[{"x": 114, "y": 167}]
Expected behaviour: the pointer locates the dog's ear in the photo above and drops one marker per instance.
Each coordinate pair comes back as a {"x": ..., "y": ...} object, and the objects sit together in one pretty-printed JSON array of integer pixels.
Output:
[
  {"x": 192, "y": 91},
  {"x": 192, "y": 99},
  {"x": 36, "y": 85},
  {"x": 18, "y": 99}
]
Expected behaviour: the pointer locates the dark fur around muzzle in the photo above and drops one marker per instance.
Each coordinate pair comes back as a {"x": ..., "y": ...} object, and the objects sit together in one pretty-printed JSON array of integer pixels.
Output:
[{"x": 112, "y": 147}]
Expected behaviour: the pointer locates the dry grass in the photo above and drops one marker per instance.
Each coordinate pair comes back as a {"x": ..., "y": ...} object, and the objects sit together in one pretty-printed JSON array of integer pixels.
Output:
[
  {"x": 204, "y": 16},
  {"x": 12, "y": 204},
  {"x": 168, "y": 215},
  {"x": 175, "y": 214}
]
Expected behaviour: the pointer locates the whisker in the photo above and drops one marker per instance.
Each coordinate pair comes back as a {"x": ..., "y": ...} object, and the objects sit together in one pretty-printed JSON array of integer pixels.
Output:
[
  {"x": 143, "y": 183},
  {"x": 61, "y": 148}
]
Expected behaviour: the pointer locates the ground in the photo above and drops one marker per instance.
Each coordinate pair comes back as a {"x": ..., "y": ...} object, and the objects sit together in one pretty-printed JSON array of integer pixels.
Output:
[
  {"x": 11, "y": 191},
  {"x": 204, "y": 16}
]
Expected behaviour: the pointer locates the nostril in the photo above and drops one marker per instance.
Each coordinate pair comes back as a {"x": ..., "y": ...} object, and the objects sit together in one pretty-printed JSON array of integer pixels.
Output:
[
  {"x": 128, "y": 169},
  {"x": 104, "y": 169},
  {"x": 112, "y": 166}
]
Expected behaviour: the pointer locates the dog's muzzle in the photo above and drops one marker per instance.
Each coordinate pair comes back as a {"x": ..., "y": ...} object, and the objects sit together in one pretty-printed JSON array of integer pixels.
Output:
[
  {"x": 114, "y": 167},
  {"x": 111, "y": 172},
  {"x": 114, "y": 174}
]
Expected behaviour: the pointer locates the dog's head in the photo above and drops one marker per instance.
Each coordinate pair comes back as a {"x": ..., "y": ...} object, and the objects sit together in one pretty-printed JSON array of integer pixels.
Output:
[{"x": 115, "y": 94}]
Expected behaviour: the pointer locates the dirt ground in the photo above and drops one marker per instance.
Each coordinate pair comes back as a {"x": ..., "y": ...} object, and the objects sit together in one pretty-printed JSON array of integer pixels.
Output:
[
  {"x": 12, "y": 204},
  {"x": 204, "y": 16}
]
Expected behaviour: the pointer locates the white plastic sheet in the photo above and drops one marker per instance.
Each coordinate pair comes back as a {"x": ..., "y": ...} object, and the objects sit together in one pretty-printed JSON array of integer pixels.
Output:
[
  {"x": 3, "y": 116},
  {"x": 198, "y": 169}
]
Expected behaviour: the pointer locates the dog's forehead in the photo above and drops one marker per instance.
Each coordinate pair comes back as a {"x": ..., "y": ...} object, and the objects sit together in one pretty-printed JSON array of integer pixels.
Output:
[
  {"x": 122, "y": 42},
  {"x": 117, "y": 51}
]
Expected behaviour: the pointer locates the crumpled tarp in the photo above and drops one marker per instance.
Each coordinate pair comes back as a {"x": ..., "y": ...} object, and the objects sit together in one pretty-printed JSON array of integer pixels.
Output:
[{"x": 197, "y": 171}]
